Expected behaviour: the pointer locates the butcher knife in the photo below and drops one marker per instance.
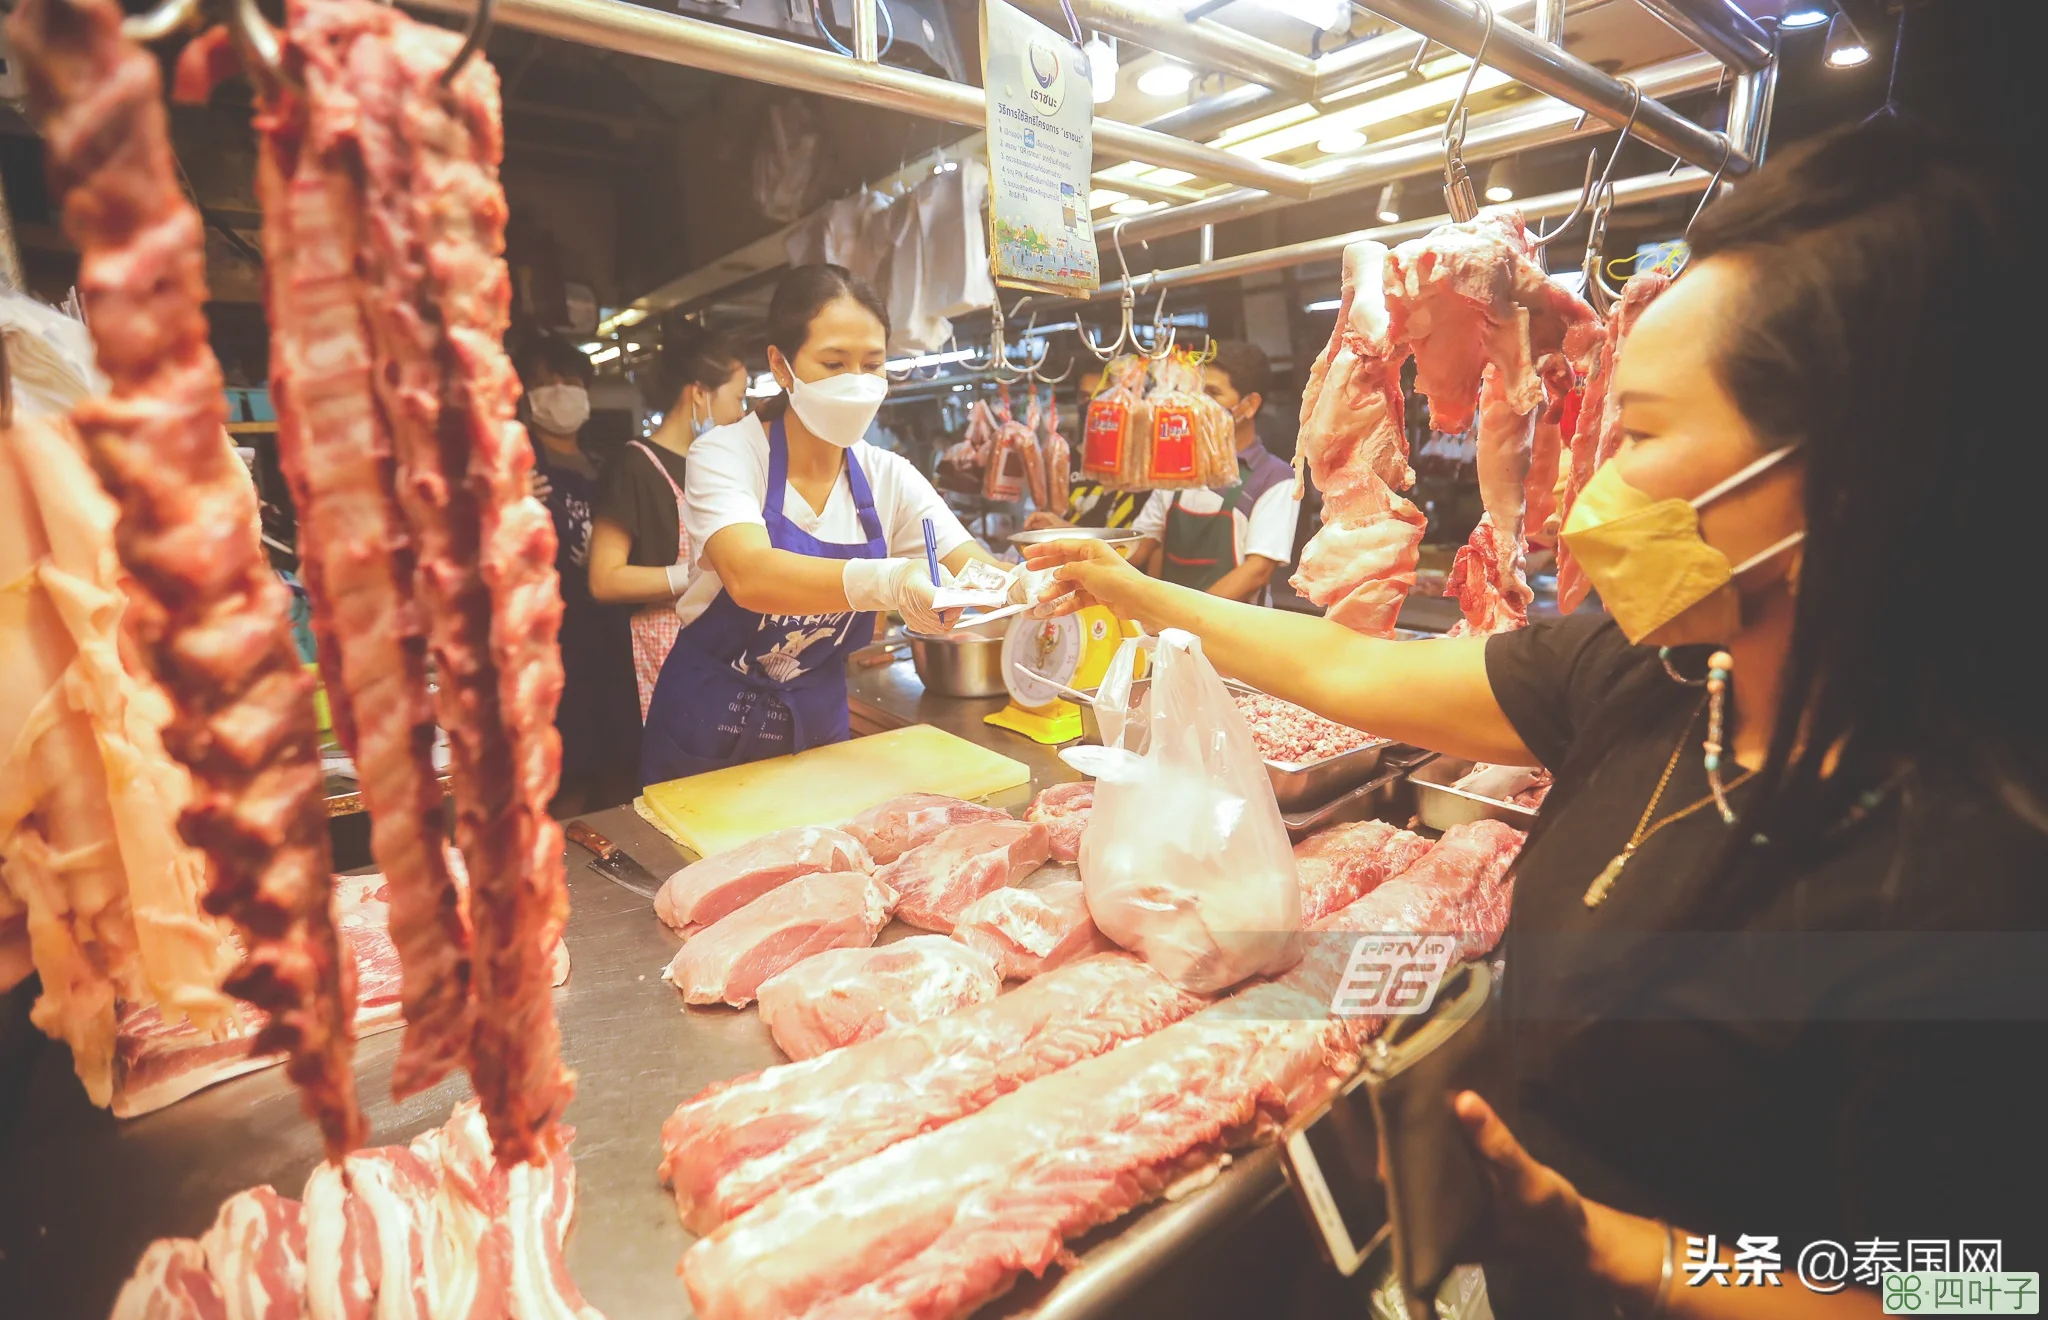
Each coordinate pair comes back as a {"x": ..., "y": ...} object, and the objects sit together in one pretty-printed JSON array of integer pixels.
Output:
[{"x": 612, "y": 861}]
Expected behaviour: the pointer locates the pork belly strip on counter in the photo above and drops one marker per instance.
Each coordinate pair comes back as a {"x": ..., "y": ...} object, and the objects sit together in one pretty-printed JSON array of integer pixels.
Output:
[
  {"x": 940, "y": 1223},
  {"x": 1026, "y": 932},
  {"x": 1342, "y": 864},
  {"x": 355, "y": 549},
  {"x": 891, "y": 829},
  {"x": 739, "y": 1142},
  {"x": 437, "y": 295},
  {"x": 208, "y": 611}
]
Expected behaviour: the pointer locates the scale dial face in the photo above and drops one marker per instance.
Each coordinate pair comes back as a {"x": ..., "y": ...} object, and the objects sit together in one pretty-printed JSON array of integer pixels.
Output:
[{"x": 1052, "y": 647}]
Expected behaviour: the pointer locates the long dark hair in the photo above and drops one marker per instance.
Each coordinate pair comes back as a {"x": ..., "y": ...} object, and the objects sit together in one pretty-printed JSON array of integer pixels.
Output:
[
  {"x": 802, "y": 294},
  {"x": 1885, "y": 327},
  {"x": 693, "y": 355}
]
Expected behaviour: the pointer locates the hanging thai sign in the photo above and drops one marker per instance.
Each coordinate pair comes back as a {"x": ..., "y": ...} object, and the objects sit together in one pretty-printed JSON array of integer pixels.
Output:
[{"x": 1041, "y": 152}]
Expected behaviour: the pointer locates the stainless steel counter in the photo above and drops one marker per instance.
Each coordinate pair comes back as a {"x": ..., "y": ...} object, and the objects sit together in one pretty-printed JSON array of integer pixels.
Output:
[{"x": 84, "y": 1193}]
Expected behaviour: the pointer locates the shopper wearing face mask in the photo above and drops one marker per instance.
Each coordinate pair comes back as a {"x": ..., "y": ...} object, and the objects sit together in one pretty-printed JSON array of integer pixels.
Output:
[
  {"x": 638, "y": 553},
  {"x": 596, "y": 714},
  {"x": 1774, "y": 960},
  {"x": 802, "y": 533}
]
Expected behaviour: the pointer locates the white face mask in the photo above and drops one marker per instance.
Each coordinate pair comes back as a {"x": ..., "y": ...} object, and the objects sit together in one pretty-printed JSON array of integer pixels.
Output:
[
  {"x": 559, "y": 409},
  {"x": 839, "y": 409},
  {"x": 700, "y": 425}
]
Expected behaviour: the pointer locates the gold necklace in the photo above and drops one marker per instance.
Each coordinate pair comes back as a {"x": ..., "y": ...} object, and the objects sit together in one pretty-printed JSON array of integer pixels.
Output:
[{"x": 1602, "y": 883}]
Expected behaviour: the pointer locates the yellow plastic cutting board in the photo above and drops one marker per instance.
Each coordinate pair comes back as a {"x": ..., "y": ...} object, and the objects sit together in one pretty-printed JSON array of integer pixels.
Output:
[{"x": 722, "y": 809}]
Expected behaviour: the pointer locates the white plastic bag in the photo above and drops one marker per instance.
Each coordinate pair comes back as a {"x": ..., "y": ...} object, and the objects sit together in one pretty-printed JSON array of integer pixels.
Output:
[
  {"x": 1186, "y": 862},
  {"x": 786, "y": 162}
]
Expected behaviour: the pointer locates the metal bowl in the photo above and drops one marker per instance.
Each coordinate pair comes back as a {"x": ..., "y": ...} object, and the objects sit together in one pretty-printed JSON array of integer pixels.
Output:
[
  {"x": 966, "y": 662},
  {"x": 1120, "y": 539}
]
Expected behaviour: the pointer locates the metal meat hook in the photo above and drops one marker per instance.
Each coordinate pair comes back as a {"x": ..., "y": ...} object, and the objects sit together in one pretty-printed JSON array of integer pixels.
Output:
[
  {"x": 1606, "y": 184},
  {"x": 1460, "y": 198}
]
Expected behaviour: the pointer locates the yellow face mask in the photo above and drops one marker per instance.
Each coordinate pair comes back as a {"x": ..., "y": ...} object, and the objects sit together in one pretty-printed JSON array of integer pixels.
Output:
[{"x": 1654, "y": 571}]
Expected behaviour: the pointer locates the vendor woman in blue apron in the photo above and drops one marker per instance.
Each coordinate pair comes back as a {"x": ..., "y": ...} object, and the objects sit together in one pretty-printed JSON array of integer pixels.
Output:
[{"x": 802, "y": 532}]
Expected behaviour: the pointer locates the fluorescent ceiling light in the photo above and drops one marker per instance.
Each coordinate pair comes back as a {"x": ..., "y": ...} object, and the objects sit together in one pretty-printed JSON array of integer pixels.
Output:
[
  {"x": 588, "y": 349},
  {"x": 1340, "y": 141},
  {"x": 1101, "y": 197},
  {"x": 632, "y": 348},
  {"x": 606, "y": 356},
  {"x": 1322, "y": 14},
  {"x": 1312, "y": 128},
  {"x": 929, "y": 360},
  {"x": 1389, "y": 209},
  {"x": 1326, "y": 305},
  {"x": 1165, "y": 79},
  {"x": 1166, "y": 178},
  {"x": 1132, "y": 206},
  {"x": 1804, "y": 16},
  {"x": 1846, "y": 48}
]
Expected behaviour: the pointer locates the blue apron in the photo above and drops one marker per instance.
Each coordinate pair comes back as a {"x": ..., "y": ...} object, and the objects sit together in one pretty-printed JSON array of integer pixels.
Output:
[{"x": 740, "y": 686}]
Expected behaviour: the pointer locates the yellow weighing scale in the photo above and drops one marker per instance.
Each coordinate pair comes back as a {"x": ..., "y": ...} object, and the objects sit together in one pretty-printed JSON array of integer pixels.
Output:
[{"x": 1072, "y": 651}]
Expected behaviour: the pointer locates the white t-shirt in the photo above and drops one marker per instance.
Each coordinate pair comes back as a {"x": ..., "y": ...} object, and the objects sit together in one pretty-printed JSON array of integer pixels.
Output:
[
  {"x": 728, "y": 484},
  {"x": 1269, "y": 531}
]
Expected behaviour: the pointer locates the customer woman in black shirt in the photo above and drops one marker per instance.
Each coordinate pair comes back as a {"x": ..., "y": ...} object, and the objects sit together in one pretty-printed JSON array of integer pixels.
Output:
[
  {"x": 639, "y": 555},
  {"x": 1782, "y": 979}
]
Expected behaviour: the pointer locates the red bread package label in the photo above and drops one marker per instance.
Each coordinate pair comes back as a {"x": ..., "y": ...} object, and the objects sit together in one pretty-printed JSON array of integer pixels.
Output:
[
  {"x": 1173, "y": 440},
  {"x": 1102, "y": 445}
]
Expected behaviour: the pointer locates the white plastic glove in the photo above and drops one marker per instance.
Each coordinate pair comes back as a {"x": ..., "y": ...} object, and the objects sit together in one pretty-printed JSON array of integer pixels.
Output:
[
  {"x": 678, "y": 579},
  {"x": 902, "y": 585},
  {"x": 1029, "y": 584}
]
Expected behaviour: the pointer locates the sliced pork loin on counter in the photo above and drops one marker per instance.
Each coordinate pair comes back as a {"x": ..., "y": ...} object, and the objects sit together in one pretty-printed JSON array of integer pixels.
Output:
[
  {"x": 738, "y": 1143},
  {"x": 729, "y": 959},
  {"x": 902, "y": 823},
  {"x": 1344, "y": 863},
  {"x": 936, "y": 881},
  {"x": 1063, "y": 809},
  {"x": 848, "y": 995},
  {"x": 1028, "y": 931},
  {"x": 723, "y": 883}
]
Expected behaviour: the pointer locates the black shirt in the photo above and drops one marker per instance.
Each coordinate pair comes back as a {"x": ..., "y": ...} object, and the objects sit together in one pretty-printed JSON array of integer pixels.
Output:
[
  {"x": 1834, "y": 1067},
  {"x": 637, "y": 498}
]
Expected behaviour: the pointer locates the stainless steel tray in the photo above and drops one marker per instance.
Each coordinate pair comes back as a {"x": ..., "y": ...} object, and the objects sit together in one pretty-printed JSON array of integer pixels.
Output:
[
  {"x": 1440, "y": 806},
  {"x": 1296, "y": 787}
]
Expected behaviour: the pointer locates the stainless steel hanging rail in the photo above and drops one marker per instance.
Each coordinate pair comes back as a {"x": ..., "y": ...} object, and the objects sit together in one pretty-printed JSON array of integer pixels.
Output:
[
  {"x": 1207, "y": 45},
  {"x": 1637, "y": 191},
  {"x": 629, "y": 29},
  {"x": 1489, "y": 137},
  {"x": 1718, "y": 27},
  {"x": 1460, "y": 24}
]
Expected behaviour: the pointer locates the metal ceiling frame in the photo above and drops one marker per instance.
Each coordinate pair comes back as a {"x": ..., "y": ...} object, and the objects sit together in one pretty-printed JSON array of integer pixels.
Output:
[{"x": 1469, "y": 27}]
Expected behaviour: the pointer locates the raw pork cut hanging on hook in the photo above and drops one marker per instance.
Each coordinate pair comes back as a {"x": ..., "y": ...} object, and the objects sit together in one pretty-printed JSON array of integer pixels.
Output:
[
  {"x": 204, "y": 603},
  {"x": 1361, "y": 565},
  {"x": 1490, "y": 329},
  {"x": 1599, "y": 430}
]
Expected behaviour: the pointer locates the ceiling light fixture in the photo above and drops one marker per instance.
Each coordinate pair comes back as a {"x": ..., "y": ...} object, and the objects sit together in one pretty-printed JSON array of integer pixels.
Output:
[
  {"x": 1804, "y": 16},
  {"x": 1101, "y": 53},
  {"x": 599, "y": 359},
  {"x": 1321, "y": 14},
  {"x": 1500, "y": 182},
  {"x": 1165, "y": 79},
  {"x": 1846, "y": 48},
  {"x": 1131, "y": 206},
  {"x": 1340, "y": 142},
  {"x": 1389, "y": 210},
  {"x": 1326, "y": 305}
]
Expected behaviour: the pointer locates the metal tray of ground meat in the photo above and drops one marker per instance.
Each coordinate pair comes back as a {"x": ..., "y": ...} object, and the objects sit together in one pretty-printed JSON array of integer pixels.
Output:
[
  {"x": 1440, "y": 806},
  {"x": 1298, "y": 788}
]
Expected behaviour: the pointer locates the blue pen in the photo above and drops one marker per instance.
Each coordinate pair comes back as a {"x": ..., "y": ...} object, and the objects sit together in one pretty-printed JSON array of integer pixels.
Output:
[{"x": 931, "y": 550}]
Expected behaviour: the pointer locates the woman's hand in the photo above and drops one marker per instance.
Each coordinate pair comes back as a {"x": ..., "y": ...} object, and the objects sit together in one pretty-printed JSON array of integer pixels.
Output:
[
  {"x": 1040, "y": 519},
  {"x": 538, "y": 485},
  {"x": 1538, "y": 1217},
  {"x": 1086, "y": 572}
]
